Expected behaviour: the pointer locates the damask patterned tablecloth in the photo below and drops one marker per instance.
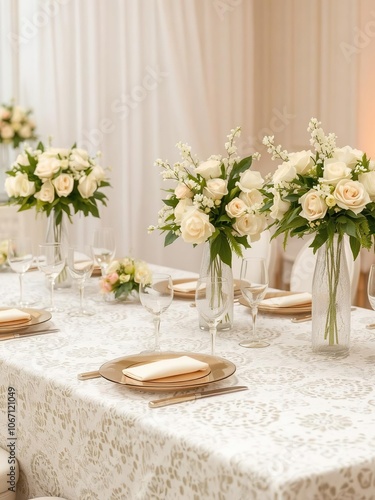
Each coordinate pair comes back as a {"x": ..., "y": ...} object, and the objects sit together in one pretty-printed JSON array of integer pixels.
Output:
[{"x": 304, "y": 430}]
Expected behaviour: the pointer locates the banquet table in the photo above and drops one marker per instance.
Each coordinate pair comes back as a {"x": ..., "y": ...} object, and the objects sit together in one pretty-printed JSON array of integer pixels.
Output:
[{"x": 304, "y": 429}]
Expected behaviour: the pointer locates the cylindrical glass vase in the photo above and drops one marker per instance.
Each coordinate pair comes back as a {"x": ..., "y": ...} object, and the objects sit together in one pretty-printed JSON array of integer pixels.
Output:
[
  {"x": 57, "y": 232},
  {"x": 221, "y": 270},
  {"x": 331, "y": 300}
]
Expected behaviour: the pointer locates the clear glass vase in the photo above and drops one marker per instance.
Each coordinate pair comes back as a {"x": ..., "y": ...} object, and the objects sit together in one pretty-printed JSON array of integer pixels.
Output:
[
  {"x": 221, "y": 270},
  {"x": 57, "y": 232},
  {"x": 331, "y": 300}
]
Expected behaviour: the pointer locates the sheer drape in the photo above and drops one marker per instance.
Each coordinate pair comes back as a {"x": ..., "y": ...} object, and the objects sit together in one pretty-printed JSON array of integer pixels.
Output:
[{"x": 131, "y": 78}]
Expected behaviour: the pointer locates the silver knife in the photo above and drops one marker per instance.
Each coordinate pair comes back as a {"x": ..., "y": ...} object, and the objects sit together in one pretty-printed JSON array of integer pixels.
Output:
[
  {"x": 31, "y": 334},
  {"x": 157, "y": 403}
]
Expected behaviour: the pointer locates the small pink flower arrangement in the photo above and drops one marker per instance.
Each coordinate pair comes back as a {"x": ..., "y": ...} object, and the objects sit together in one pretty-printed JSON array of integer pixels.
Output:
[{"x": 124, "y": 276}]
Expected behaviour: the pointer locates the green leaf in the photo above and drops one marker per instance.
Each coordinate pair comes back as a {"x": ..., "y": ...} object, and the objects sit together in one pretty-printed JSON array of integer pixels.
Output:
[
  {"x": 221, "y": 248},
  {"x": 355, "y": 246},
  {"x": 170, "y": 238}
]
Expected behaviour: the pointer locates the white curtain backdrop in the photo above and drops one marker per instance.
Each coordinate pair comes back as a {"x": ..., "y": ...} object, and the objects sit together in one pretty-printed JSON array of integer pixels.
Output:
[{"x": 131, "y": 79}]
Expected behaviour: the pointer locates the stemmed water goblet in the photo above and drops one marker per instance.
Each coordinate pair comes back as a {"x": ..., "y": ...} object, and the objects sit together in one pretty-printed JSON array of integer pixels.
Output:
[
  {"x": 51, "y": 261},
  {"x": 212, "y": 297},
  {"x": 156, "y": 296},
  {"x": 80, "y": 266},
  {"x": 104, "y": 247},
  {"x": 254, "y": 284},
  {"x": 371, "y": 288},
  {"x": 20, "y": 257}
]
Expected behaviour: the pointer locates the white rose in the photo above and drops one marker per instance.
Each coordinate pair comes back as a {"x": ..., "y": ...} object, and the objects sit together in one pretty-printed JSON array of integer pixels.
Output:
[
  {"x": 87, "y": 186},
  {"x": 9, "y": 186},
  {"x": 368, "y": 181},
  {"x": 20, "y": 185},
  {"x": 7, "y": 131},
  {"x": 285, "y": 172},
  {"x": 81, "y": 152},
  {"x": 47, "y": 167},
  {"x": 279, "y": 207},
  {"x": 216, "y": 189},
  {"x": 335, "y": 170},
  {"x": 348, "y": 155},
  {"x": 250, "y": 225},
  {"x": 16, "y": 126},
  {"x": 209, "y": 169},
  {"x": 302, "y": 161},
  {"x": 25, "y": 132},
  {"x": 64, "y": 184},
  {"x": 313, "y": 206},
  {"x": 196, "y": 227},
  {"x": 54, "y": 152},
  {"x": 371, "y": 165},
  {"x": 78, "y": 163},
  {"x": 250, "y": 179},
  {"x": 182, "y": 191},
  {"x": 236, "y": 208},
  {"x": 351, "y": 195},
  {"x": 98, "y": 173},
  {"x": 252, "y": 197},
  {"x": 18, "y": 114},
  {"x": 181, "y": 208},
  {"x": 22, "y": 160},
  {"x": 46, "y": 193},
  {"x": 142, "y": 274}
]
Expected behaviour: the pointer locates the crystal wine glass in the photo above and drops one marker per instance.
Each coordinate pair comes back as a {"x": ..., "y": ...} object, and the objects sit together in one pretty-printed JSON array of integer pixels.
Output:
[
  {"x": 104, "y": 247},
  {"x": 371, "y": 286},
  {"x": 80, "y": 265},
  {"x": 156, "y": 296},
  {"x": 20, "y": 257},
  {"x": 212, "y": 297},
  {"x": 254, "y": 284},
  {"x": 51, "y": 261}
]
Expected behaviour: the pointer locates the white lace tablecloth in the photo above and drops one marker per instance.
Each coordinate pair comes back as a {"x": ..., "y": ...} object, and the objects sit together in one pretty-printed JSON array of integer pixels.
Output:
[{"x": 304, "y": 430}]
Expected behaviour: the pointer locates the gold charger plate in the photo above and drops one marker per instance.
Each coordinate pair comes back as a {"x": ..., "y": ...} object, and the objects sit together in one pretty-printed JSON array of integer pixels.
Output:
[
  {"x": 37, "y": 316},
  {"x": 301, "y": 309},
  {"x": 219, "y": 369},
  {"x": 191, "y": 293}
]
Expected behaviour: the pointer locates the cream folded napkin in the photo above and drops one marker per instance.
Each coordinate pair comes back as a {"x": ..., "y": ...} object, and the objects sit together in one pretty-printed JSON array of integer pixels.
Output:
[
  {"x": 13, "y": 316},
  {"x": 165, "y": 368},
  {"x": 295, "y": 299}
]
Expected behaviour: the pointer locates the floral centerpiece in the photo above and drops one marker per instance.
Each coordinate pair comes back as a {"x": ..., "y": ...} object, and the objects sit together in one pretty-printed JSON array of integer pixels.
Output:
[
  {"x": 124, "y": 276},
  {"x": 328, "y": 192},
  {"x": 16, "y": 125},
  {"x": 62, "y": 181},
  {"x": 214, "y": 201}
]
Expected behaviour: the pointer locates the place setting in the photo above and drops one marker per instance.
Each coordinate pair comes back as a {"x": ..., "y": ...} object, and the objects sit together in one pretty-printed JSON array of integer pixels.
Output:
[{"x": 24, "y": 322}]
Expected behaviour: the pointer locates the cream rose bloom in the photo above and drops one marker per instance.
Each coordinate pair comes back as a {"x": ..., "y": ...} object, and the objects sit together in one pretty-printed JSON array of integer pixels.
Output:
[
  {"x": 351, "y": 195},
  {"x": 313, "y": 206},
  {"x": 87, "y": 186},
  {"x": 196, "y": 227},
  {"x": 279, "y": 207},
  {"x": 22, "y": 160},
  {"x": 7, "y": 132},
  {"x": 335, "y": 170},
  {"x": 250, "y": 225},
  {"x": 348, "y": 155},
  {"x": 142, "y": 274},
  {"x": 250, "y": 179},
  {"x": 46, "y": 193},
  {"x": 302, "y": 161},
  {"x": 182, "y": 191},
  {"x": 285, "y": 172},
  {"x": 25, "y": 132},
  {"x": 19, "y": 185},
  {"x": 77, "y": 162},
  {"x": 215, "y": 189},
  {"x": 252, "y": 197},
  {"x": 368, "y": 181},
  {"x": 98, "y": 173},
  {"x": 181, "y": 208},
  {"x": 209, "y": 169},
  {"x": 47, "y": 167},
  {"x": 236, "y": 208},
  {"x": 64, "y": 184}
]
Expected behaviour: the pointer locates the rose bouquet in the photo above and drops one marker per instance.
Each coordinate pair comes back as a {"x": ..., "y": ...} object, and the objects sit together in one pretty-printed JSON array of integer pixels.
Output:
[
  {"x": 215, "y": 201},
  {"x": 124, "y": 276},
  {"x": 56, "y": 180},
  {"x": 328, "y": 192},
  {"x": 16, "y": 125}
]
